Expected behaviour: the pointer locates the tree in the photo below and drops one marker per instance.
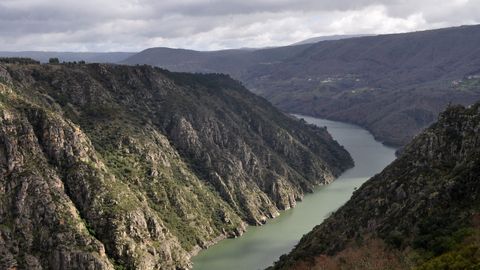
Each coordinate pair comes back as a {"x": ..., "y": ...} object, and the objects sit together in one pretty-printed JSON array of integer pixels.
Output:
[{"x": 54, "y": 60}]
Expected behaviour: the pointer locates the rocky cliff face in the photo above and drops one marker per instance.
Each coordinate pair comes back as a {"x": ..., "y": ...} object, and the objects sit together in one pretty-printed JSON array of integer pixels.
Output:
[
  {"x": 105, "y": 166},
  {"x": 422, "y": 210}
]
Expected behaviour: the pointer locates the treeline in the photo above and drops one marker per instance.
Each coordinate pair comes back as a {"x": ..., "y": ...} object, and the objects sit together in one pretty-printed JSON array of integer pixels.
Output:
[
  {"x": 55, "y": 60},
  {"x": 18, "y": 60},
  {"x": 30, "y": 61}
]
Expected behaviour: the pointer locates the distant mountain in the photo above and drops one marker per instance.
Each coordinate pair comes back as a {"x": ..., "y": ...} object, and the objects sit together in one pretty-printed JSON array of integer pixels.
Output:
[
  {"x": 89, "y": 57},
  {"x": 233, "y": 62},
  {"x": 107, "y": 166},
  {"x": 422, "y": 212},
  {"x": 193, "y": 61},
  {"x": 394, "y": 85},
  {"x": 325, "y": 38}
]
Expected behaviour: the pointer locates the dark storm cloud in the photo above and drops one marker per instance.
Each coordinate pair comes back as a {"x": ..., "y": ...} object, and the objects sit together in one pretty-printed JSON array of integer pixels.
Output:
[{"x": 212, "y": 24}]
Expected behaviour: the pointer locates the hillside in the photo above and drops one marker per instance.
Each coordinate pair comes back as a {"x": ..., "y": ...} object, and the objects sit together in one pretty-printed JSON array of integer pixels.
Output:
[
  {"x": 105, "y": 166},
  {"x": 421, "y": 212},
  {"x": 233, "y": 62},
  {"x": 393, "y": 85}
]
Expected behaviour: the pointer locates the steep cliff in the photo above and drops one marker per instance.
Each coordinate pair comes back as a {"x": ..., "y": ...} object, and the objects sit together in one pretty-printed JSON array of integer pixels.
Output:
[
  {"x": 421, "y": 211},
  {"x": 106, "y": 166}
]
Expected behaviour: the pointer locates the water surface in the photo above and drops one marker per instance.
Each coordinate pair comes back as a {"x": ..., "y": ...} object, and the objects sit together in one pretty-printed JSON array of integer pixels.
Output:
[{"x": 259, "y": 247}]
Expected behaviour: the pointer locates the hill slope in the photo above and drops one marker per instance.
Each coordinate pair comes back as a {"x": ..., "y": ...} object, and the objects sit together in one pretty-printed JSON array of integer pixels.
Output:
[
  {"x": 422, "y": 210},
  {"x": 394, "y": 85},
  {"x": 233, "y": 62},
  {"x": 105, "y": 166}
]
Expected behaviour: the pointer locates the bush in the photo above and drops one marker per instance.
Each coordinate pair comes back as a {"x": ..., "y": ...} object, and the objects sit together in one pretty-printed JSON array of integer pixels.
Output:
[
  {"x": 54, "y": 60},
  {"x": 466, "y": 257},
  {"x": 395, "y": 239}
]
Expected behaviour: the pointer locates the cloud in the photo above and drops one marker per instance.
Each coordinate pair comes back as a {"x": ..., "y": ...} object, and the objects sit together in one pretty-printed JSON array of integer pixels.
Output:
[
  {"x": 375, "y": 19},
  {"x": 132, "y": 25}
]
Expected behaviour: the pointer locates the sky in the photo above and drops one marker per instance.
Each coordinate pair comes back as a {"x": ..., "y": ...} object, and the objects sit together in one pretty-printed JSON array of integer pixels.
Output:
[{"x": 134, "y": 25}]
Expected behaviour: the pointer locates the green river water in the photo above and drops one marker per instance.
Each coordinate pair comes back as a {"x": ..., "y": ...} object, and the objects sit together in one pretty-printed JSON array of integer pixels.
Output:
[{"x": 260, "y": 246}]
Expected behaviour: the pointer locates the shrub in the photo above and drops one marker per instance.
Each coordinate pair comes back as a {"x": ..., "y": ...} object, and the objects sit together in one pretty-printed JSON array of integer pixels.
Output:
[{"x": 54, "y": 60}]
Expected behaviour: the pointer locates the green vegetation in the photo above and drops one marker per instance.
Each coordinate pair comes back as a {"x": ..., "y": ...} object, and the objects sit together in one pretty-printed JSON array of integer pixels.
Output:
[
  {"x": 54, "y": 61},
  {"x": 462, "y": 253},
  {"x": 462, "y": 258},
  {"x": 440, "y": 233}
]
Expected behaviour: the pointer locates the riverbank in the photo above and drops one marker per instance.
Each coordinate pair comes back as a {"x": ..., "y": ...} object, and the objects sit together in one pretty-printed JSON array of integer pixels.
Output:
[{"x": 259, "y": 247}]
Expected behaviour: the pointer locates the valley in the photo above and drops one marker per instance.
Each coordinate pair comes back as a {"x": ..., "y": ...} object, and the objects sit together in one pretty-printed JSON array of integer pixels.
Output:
[
  {"x": 259, "y": 247},
  {"x": 242, "y": 135}
]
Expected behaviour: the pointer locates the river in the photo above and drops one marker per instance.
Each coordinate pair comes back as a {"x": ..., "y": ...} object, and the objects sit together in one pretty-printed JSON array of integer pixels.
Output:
[{"x": 260, "y": 246}]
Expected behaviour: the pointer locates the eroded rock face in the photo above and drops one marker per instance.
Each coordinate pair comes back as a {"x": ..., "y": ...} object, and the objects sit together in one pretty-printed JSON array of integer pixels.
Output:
[
  {"x": 41, "y": 227},
  {"x": 4, "y": 75},
  {"x": 105, "y": 166},
  {"x": 420, "y": 203}
]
